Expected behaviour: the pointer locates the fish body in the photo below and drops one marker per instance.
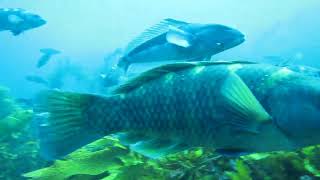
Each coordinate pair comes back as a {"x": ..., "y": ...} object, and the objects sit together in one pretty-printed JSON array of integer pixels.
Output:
[
  {"x": 47, "y": 55},
  {"x": 290, "y": 64},
  {"x": 180, "y": 41},
  {"x": 18, "y": 20},
  {"x": 237, "y": 107}
]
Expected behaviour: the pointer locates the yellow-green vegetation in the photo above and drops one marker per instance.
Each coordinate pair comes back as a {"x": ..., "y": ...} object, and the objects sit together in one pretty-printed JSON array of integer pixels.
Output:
[
  {"x": 14, "y": 122},
  {"x": 18, "y": 150},
  {"x": 104, "y": 156},
  {"x": 13, "y": 118},
  {"x": 242, "y": 171},
  {"x": 109, "y": 160}
]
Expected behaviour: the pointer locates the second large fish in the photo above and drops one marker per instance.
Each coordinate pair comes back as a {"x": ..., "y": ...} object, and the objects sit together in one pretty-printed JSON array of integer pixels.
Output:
[{"x": 180, "y": 41}]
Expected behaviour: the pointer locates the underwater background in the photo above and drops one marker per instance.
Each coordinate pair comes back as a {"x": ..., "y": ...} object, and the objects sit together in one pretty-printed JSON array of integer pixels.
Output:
[{"x": 89, "y": 33}]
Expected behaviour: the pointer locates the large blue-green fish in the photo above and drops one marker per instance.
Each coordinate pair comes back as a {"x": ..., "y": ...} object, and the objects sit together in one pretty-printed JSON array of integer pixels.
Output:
[
  {"x": 180, "y": 41},
  {"x": 234, "y": 107},
  {"x": 18, "y": 20}
]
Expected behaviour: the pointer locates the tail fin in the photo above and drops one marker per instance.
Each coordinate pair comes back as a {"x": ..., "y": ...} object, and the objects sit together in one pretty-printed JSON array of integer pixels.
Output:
[
  {"x": 63, "y": 124},
  {"x": 124, "y": 64}
]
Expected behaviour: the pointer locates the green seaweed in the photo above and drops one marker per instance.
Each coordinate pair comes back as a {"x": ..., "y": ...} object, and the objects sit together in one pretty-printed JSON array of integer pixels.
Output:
[
  {"x": 312, "y": 160},
  {"x": 111, "y": 161},
  {"x": 14, "y": 122},
  {"x": 18, "y": 149},
  {"x": 242, "y": 171},
  {"x": 104, "y": 155}
]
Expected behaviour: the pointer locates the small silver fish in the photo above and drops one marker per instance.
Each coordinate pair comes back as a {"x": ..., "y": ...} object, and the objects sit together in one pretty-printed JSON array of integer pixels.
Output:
[{"x": 180, "y": 41}]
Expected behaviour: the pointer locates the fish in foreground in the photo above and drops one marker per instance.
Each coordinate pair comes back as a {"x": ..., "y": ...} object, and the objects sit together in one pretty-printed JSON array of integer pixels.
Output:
[
  {"x": 19, "y": 20},
  {"x": 180, "y": 41},
  {"x": 47, "y": 55},
  {"x": 234, "y": 107}
]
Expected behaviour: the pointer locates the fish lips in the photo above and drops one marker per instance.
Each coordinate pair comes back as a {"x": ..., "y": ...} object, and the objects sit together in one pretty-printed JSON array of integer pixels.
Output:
[
  {"x": 41, "y": 22},
  {"x": 240, "y": 38},
  {"x": 239, "y": 41},
  {"x": 236, "y": 41},
  {"x": 231, "y": 44},
  {"x": 36, "y": 22}
]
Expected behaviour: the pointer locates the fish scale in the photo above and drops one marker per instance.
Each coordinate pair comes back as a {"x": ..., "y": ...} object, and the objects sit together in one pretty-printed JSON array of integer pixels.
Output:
[{"x": 156, "y": 107}]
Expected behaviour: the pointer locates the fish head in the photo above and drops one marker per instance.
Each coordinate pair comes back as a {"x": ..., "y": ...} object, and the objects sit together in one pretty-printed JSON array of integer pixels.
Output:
[
  {"x": 35, "y": 20},
  {"x": 30, "y": 21},
  {"x": 219, "y": 37},
  {"x": 296, "y": 110}
]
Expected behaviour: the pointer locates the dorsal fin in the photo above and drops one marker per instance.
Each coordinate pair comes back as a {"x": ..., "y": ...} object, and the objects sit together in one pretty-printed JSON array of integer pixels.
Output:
[
  {"x": 160, "y": 71},
  {"x": 153, "y": 32}
]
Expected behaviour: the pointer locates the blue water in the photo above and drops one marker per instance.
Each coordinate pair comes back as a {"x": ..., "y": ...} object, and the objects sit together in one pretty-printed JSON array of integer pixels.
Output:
[{"x": 86, "y": 31}]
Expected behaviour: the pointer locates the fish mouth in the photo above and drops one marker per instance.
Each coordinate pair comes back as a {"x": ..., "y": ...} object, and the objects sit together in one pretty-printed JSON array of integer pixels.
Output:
[
  {"x": 235, "y": 42},
  {"x": 236, "y": 39},
  {"x": 239, "y": 41},
  {"x": 240, "y": 38},
  {"x": 42, "y": 22}
]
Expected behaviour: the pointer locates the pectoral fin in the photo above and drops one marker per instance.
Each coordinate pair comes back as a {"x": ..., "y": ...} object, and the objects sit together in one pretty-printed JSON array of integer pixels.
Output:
[
  {"x": 151, "y": 145},
  {"x": 180, "y": 37},
  {"x": 246, "y": 111},
  {"x": 16, "y": 32},
  {"x": 157, "y": 148},
  {"x": 14, "y": 19}
]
